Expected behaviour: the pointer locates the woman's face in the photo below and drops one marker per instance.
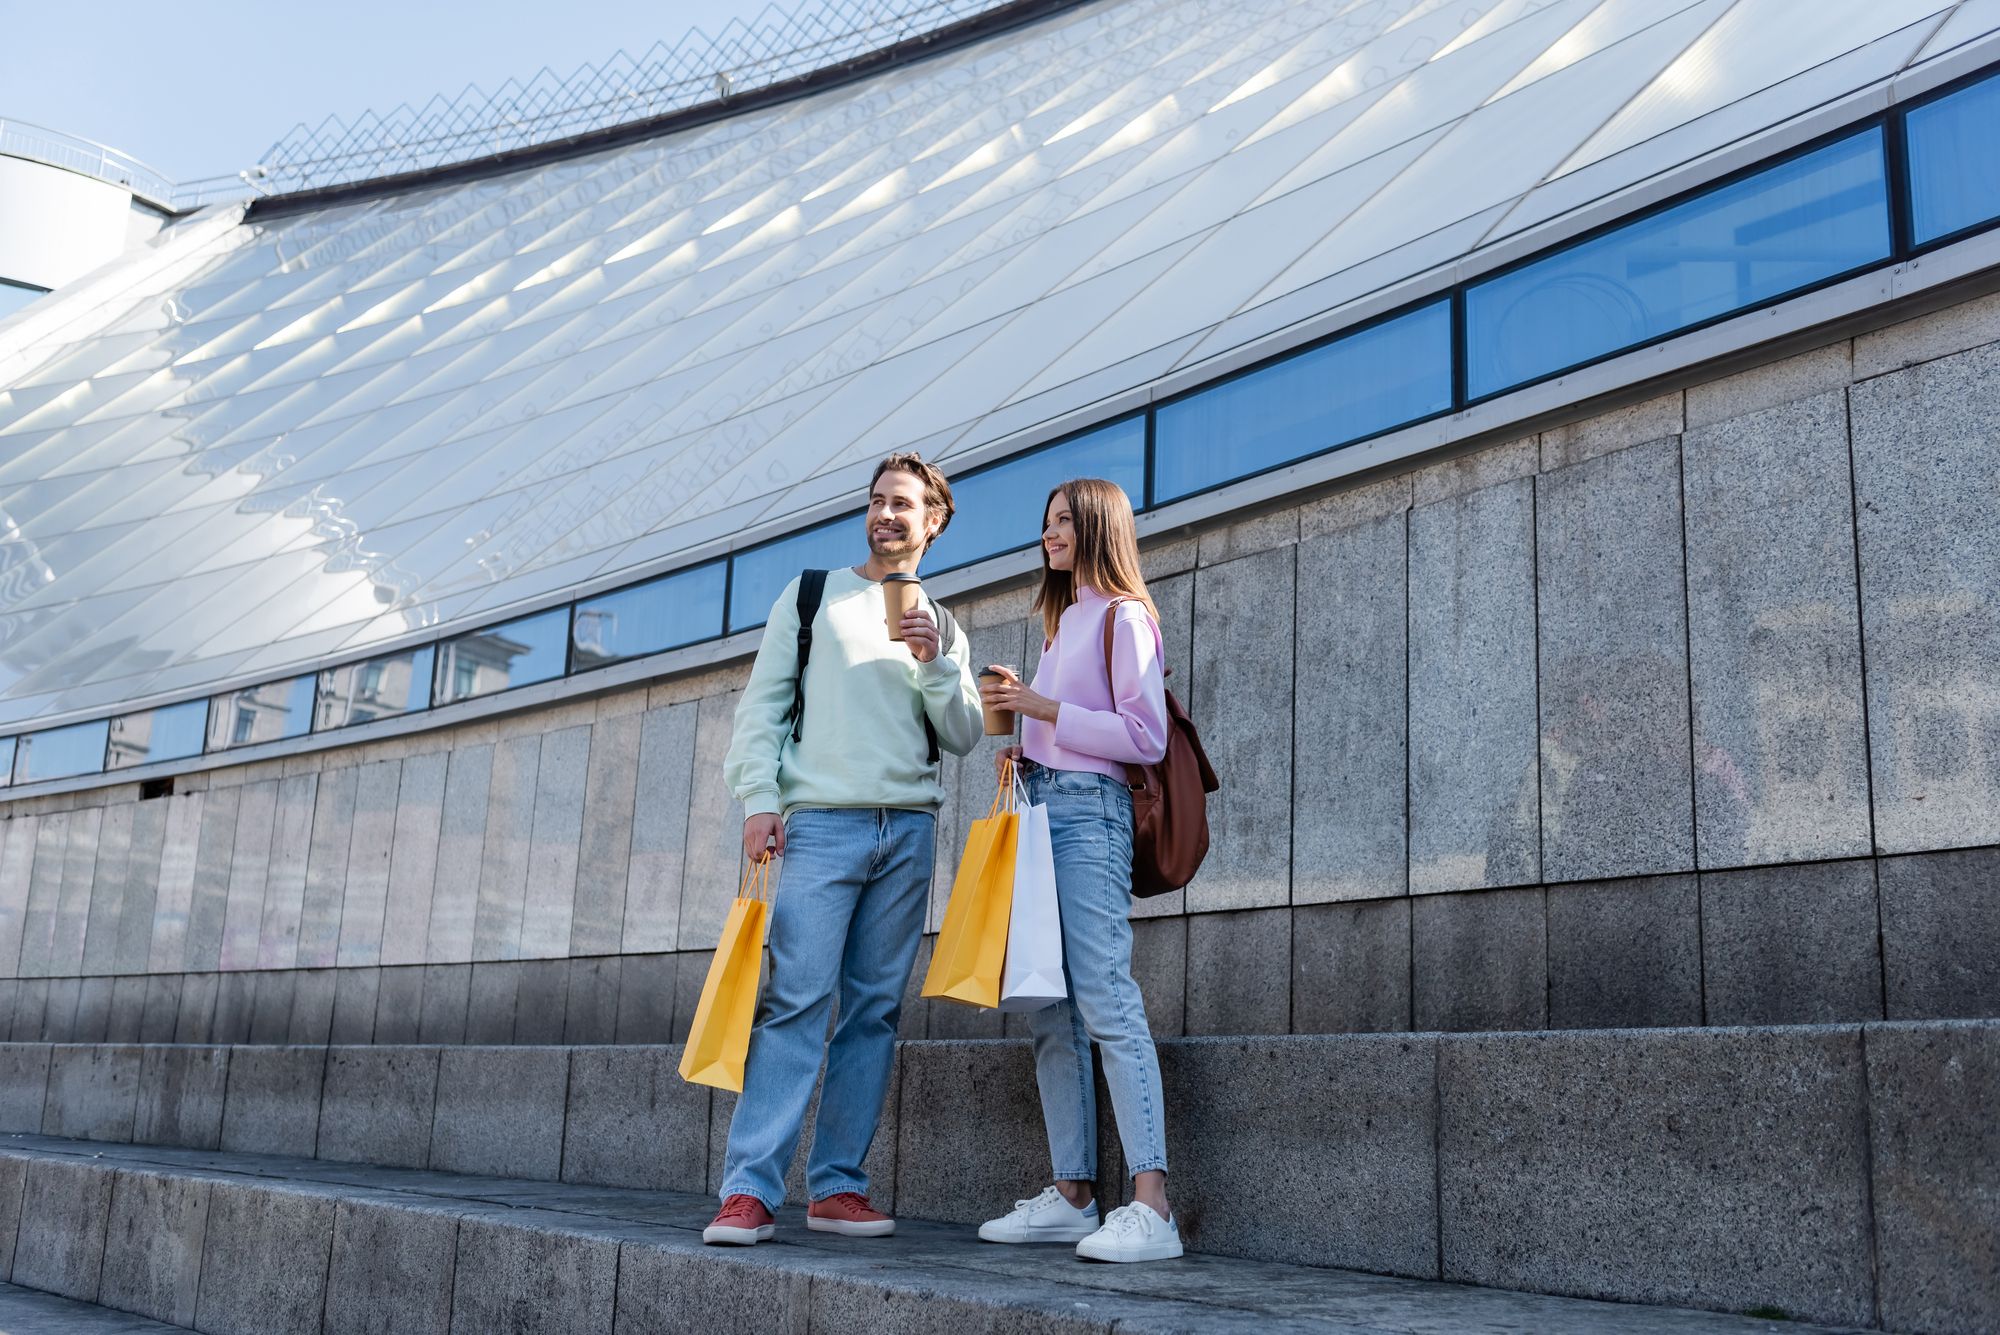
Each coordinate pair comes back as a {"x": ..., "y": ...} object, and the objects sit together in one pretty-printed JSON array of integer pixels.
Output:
[{"x": 1059, "y": 534}]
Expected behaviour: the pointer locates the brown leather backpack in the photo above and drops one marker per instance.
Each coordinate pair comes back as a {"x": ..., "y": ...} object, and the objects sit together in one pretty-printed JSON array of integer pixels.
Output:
[{"x": 1169, "y": 799}]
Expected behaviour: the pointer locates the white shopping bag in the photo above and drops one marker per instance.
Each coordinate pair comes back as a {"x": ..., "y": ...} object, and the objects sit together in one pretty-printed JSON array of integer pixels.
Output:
[{"x": 1033, "y": 976}]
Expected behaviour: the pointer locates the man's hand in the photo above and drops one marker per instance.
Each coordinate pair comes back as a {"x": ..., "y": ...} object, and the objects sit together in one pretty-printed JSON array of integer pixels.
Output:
[
  {"x": 921, "y": 634},
  {"x": 763, "y": 836}
]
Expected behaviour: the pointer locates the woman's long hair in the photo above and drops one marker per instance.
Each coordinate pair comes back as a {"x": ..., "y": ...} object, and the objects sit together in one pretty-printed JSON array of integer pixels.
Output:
[{"x": 1105, "y": 550}]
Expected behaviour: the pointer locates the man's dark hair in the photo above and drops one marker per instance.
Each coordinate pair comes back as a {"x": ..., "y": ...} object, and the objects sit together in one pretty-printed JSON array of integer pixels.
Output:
[{"x": 937, "y": 491}]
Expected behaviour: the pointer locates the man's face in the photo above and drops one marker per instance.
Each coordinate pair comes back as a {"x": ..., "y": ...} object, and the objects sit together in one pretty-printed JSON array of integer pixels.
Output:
[{"x": 899, "y": 523}]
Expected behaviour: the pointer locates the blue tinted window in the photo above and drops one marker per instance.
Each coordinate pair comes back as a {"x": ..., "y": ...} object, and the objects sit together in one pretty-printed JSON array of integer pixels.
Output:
[
  {"x": 13, "y": 296},
  {"x": 6, "y": 761},
  {"x": 168, "y": 733},
  {"x": 268, "y": 712},
  {"x": 1794, "y": 225},
  {"x": 1000, "y": 509},
  {"x": 517, "y": 653},
  {"x": 649, "y": 618},
  {"x": 61, "y": 752},
  {"x": 762, "y": 573},
  {"x": 1955, "y": 161},
  {"x": 1371, "y": 380},
  {"x": 379, "y": 688}
]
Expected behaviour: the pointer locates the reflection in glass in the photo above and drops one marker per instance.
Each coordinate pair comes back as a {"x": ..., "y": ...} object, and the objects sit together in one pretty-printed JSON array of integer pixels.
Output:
[
  {"x": 649, "y": 618},
  {"x": 1357, "y": 386},
  {"x": 1000, "y": 509},
  {"x": 168, "y": 733},
  {"x": 6, "y": 761},
  {"x": 762, "y": 573},
  {"x": 379, "y": 688},
  {"x": 516, "y": 653},
  {"x": 61, "y": 752},
  {"x": 268, "y": 712},
  {"x": 1783, "y": 229},
  {"x": 1955, "y": 162}
]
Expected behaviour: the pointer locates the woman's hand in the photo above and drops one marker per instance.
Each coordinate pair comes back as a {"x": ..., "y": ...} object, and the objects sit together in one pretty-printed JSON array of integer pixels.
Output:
[
  {"x": 1009, "y": 693},
  {"x": 1005, "y": 756}
]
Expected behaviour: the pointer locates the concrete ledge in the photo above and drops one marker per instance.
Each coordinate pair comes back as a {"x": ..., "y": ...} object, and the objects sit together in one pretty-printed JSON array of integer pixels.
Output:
[
  {"x": 93, "y": 1092},
  {"x": 153, "y": 1245},
  {"x": 1711, "y": 1167},
  {"x": 436, "y": 1253},
  {"x": 65, "y": 1206},
  {"x": 1723, "y": 1168}
]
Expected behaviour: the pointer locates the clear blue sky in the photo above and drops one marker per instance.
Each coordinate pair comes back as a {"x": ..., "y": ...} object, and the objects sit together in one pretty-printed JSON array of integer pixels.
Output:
[{"x": 202, "y": 87}]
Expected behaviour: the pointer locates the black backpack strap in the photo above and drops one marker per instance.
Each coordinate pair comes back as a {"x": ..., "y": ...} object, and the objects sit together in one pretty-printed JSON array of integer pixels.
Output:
[
  {"x": 812, "y": 588},
  {"x": 947, "y": 636}
]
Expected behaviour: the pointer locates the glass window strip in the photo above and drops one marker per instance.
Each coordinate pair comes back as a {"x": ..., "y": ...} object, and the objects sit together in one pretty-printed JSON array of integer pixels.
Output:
[
  {"x": 171, "y": 732},
  {"x": 680, "y": 608},
  {"x": 492, "y": 659},
  {"x": 1785, "y": 228},
  {"x": 1953, "y": 161}
]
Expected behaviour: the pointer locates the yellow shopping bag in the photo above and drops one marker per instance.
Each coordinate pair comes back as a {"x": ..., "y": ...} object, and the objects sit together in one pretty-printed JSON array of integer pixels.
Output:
[
  {"x": 972, "y": 945},
  {"x": 720, "y": 1037}
]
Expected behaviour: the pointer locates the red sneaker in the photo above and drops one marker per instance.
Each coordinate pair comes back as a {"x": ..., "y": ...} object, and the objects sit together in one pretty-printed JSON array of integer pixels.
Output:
[
  {"x": 849, "y": 1214},
  {"x": 743, "y": 1222}
]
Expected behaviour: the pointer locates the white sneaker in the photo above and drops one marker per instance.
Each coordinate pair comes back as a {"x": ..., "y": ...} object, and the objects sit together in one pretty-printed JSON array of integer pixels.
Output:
[
  {"x": 1046, "y": 1218},
  {"x": 1133, "y": 1233}
]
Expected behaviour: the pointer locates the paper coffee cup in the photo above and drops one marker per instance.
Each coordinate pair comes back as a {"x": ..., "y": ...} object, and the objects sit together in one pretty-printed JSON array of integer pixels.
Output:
[
  {"x": 900, "y": 594},
  {"x": 999, "y": 722}
]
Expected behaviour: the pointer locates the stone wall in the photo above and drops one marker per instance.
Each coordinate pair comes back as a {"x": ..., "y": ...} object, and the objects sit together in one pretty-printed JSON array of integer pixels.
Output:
[{"x": 1687, "y": 713}]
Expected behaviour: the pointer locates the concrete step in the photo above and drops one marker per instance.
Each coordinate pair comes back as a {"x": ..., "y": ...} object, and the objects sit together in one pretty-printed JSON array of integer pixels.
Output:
[
  {"x": 1846, "y": 1174},
  {"x": 248, "y": 1244},
  {"x": 29, "y": 1312}
]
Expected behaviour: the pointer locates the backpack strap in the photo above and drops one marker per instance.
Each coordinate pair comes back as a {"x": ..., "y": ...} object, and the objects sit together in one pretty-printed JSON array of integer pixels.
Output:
[
  {"x": 812, "y": 591},
  {"x": 947, "y": 636},
  {"x": 812, "y": 588}
]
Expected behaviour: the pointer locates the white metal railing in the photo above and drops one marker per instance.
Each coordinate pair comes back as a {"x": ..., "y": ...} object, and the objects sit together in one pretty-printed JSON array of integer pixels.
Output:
[{"x": 817, "y": 34}]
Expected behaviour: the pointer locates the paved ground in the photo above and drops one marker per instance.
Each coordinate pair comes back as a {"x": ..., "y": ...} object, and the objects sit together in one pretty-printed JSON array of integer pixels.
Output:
[{"x": 925, "y": 1260}]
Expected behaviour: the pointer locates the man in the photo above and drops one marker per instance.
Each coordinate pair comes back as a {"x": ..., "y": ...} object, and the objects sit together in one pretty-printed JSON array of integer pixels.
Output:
[{"x": 837, "y": 769}]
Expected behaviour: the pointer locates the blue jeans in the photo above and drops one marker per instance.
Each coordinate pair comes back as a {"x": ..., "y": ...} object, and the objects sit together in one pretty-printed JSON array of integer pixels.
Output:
[
  {"x": 1090, "y": 827},
  {"x": 848, "y": 915}
]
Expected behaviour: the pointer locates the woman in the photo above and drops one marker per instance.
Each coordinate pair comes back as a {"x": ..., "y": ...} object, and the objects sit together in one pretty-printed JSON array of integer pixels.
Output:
[{"x": 1083, "y": 722}]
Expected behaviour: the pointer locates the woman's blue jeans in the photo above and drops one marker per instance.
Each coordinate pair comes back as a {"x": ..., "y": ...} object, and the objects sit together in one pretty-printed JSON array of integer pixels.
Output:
[
  {"x": 848, "y": 916},
  {"x": 1090, "y": 827}
]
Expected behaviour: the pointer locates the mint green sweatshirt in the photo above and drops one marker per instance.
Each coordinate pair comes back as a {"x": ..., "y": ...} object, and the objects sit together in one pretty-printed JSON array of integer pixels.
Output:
[{"x": 866, "y": 698}]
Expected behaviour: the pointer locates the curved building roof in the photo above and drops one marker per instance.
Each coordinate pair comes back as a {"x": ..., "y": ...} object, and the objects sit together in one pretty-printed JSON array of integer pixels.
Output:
[{"x": 262, "y": 444}]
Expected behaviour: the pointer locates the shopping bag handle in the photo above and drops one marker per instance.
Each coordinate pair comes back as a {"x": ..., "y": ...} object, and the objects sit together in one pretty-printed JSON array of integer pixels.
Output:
[
  {"x": 1003, "y": 797},
  {"x": 756, "y": 882}
]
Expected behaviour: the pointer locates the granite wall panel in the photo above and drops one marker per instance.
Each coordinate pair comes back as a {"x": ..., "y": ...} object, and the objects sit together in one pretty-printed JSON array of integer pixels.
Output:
[
  {"x": 143, "y": 870},
  {"x": 1350, "y": 731},
  {"x": 326, "y": 869},
  {"x": 371, "y": 844},
  {"x": 550, "y": 904},
  {"x": 249, "y": 870},
  {"x": 44, "y": 891},
  {"x": 109, "y": 878},
  {"x": 1475, "y": 798},
  {"x": 461, "y": 841},
  {"x": 1927, "y": 480},
  {"x": 17, "y": 864},
  {"x": 73, "y": 906},
  {"x": 715, "y": 827},
  {"x": 413, "y": 858},
  {"x": 604, "y": 847},
  {"x": 659, "y": 834},
  {"x": 292, "y": 843},
  {"x": 1242, "y": 695},
  {"x": 503, "y": 868},
  {"x": 1780, "y": 737},
  {"x": 208, "y": 892},
  {"x": 1616, "y": 784}
]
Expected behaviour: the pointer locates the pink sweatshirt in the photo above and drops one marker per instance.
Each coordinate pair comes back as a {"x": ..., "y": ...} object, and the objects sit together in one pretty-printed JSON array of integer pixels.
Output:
[{"x": 1092, "y": 731}]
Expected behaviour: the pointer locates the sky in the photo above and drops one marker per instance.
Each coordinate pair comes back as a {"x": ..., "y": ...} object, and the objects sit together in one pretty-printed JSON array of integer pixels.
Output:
[{"x": 199, "y": 88}]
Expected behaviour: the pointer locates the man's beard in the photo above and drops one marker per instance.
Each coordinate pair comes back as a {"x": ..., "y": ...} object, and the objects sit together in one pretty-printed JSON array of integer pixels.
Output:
[{"x": 900, "y": 545}]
